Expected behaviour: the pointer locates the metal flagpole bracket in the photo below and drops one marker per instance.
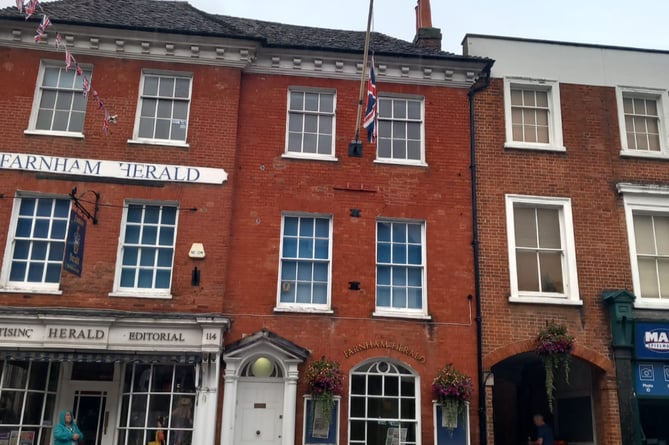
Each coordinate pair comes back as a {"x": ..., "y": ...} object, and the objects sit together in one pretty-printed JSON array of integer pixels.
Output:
[
  {"x": 77, "y": 203},
  {"x": 355, "y": 148}
]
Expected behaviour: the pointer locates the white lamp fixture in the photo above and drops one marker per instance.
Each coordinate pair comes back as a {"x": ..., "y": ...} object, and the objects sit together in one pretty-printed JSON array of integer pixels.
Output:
[{"x": 262, "y": 367}]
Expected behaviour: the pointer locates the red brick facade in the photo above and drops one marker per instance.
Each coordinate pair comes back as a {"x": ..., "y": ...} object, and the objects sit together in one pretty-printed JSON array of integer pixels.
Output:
[
  {"x": 237, "y": 124},
  {"x": 267, "y": 185},
  {"x": 586, "y": 171}
]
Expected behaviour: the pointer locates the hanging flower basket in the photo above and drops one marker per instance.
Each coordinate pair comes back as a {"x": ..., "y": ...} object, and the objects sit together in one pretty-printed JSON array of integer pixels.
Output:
[
  {"x": 452, "y": 389},
  {"x": 554, "y": 347},
  {"x": 325, "y": 381}
]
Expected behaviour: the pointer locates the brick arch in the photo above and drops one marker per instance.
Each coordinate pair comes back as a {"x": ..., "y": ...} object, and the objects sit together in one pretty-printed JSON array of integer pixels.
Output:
[{"x": 584, "y": 353}]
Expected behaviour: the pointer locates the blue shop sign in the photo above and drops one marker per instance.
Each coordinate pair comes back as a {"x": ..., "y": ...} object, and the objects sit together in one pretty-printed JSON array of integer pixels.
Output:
[
  {"x": 652, "y": 341},
  {"x": 651, "y": 379},
  {"x": 74, "y": 246}
]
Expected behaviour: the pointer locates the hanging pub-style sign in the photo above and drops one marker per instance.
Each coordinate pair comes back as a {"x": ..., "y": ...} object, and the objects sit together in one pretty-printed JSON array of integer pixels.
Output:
[{"x": 74, "y": 246}]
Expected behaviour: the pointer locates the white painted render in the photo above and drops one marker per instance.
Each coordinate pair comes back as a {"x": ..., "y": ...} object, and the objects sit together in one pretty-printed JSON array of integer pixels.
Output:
[{"x": 567, "y": 62}]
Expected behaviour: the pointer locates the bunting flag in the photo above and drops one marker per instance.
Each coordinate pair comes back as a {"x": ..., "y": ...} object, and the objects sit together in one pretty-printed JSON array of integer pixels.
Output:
[
  {"x": 41, "y": 29},
  {"x": 86, "y": 86},
  {"x": 371, "y": 111},
  {"x": 32, "y": 7},
  {"x": 44, "y": 24},
  {"x": 105, "y": 123},
  {"x": 68, "y": 59}
]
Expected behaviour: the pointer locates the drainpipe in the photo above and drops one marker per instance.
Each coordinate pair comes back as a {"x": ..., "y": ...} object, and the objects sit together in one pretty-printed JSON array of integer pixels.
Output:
[{"x": 479, "y": 86}]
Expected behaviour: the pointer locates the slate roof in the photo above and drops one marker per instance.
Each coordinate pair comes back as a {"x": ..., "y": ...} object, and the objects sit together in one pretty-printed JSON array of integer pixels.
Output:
[
  {"x": 181, "y": 17},
  {"x": 145, "y": 15}
]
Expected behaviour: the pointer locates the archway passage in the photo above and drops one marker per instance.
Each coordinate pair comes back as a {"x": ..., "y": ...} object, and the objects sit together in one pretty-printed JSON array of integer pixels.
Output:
[{"x": 519, "y": 392}]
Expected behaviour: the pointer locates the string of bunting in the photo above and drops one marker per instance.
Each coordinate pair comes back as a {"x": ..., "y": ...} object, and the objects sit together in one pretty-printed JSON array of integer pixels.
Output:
[{"x": 33, "y": 7}]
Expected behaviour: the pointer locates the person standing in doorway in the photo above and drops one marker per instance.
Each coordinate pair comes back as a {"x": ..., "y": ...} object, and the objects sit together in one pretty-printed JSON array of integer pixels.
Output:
[
  {"x": 66, "y": 432},
  {"x": 544, "y": 432}
]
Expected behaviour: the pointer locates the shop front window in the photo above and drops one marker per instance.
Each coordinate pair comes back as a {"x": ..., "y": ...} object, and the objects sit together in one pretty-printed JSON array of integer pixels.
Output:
[
  {"x": 157, "y": 398},
  {"x": 27, "y": 400}
]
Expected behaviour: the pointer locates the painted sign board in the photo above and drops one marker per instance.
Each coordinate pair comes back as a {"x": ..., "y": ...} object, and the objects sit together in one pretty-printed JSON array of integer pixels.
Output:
[
  {"x": 137, "y": 171},
  {"x": 651, "y": 341},
  {"x": 74, "y": 247}
]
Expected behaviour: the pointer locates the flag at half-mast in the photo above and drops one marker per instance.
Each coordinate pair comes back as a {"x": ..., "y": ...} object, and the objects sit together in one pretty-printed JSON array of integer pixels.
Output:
[{"x": 371, "y": 110}]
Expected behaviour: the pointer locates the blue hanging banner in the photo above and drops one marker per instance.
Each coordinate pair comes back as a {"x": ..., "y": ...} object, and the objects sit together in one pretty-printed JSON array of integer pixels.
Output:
[{"x": 74, "y": 246}]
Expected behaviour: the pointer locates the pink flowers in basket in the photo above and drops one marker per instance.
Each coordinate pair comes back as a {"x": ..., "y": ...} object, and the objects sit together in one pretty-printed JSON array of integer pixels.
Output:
[
  {"x": 554, "y": 347},
  {"x": 452, "y": 384},
  {"x": 553, "y": 339},
  {"x": 325, "y": 380}
]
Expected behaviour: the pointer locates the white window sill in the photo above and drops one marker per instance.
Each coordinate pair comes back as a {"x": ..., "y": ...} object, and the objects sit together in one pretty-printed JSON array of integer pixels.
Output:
[
  {"x": 30, "y": 290},
  {"x": 146, "y": 293},
  {"x": 400, "y": 162},
  {"x": 163, "y": 142},
  {"x": 529, "y": 146},
  {"x": 562, "y": 301},
  {"x": 304, "y": 309},
  {"x": 397, "y": 314},
  {"x": 65, "y": 134},
  {"x": 644, "y": 154},
  {"x": 309, "y": 156},
  {"x": 661, "y": 304}
]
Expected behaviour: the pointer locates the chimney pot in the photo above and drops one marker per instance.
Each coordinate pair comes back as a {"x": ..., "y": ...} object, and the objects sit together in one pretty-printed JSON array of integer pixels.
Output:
[{"x": 426, "y": 35}]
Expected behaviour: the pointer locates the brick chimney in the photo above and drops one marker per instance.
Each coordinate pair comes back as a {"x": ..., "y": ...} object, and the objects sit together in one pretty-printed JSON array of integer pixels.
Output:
[{"x": 426, "y": 36}]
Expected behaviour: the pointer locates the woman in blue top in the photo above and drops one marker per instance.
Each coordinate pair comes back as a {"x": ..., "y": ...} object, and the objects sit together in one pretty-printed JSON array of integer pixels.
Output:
[{"x": 66, "y": 432}]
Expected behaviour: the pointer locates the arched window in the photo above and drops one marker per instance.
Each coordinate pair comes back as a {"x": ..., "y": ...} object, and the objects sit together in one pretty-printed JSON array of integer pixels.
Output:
[{"x": 383, "y": 404}]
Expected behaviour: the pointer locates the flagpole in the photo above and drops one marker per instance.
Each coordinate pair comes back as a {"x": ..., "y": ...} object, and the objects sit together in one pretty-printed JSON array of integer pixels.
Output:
[{"x": 364, "y": 71}]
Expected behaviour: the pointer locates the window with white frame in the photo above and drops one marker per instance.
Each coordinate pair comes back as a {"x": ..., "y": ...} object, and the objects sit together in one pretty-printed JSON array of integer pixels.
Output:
[
  {"x": 305, "y": 262},
  {"x": 647, "y": 216},
  {"x": 400, "y": 134},
  {"x": 29, "y": 392},
  {"x": 383, "y": 404},
  {"x": 146, "y": 250},
  {"x": 59, "y": 106},
  {"x": 311, "y": 123},
  {"x": 641, "y": 114},
  {"x": 542, "y": 257},
  {"x": 400, "y": 268},
  {"x": 36, "y": 243},
  {"x": 163, "y": 108},
  {"x": 532, "y": 114},
  {"x": 157, "y": 397}
]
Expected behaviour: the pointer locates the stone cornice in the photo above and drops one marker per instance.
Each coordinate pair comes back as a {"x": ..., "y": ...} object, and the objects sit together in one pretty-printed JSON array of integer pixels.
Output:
[
  {"x": 161, "y": 47},
  {"x": 247, "y": 55},
  {"x": 405, "y": 70}
]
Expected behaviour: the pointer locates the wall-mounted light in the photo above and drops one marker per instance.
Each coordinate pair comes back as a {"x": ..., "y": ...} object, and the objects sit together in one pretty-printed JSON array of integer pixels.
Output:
[
  {"x": 196, "y": 251},
  {"x": 262, "y": 367}
]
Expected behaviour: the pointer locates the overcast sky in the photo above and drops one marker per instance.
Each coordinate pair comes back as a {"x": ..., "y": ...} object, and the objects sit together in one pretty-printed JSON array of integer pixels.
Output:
[{"x": 639, "y": 23}]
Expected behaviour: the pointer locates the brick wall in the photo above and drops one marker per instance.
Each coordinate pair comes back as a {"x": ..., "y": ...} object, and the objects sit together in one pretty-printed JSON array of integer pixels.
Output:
[
  {"x": 587, "y": 173},
  {"x": 267, "y": 185},
  {"x": 212, "y": 136}
]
